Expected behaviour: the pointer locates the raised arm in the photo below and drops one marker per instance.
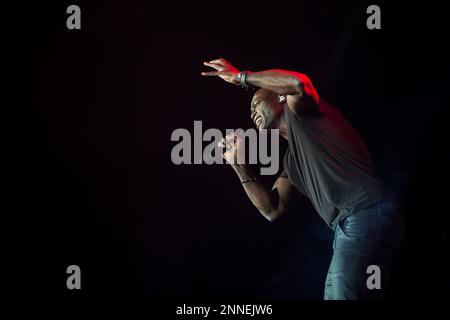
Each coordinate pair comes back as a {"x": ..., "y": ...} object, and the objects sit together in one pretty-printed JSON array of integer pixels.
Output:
[{"x": 298, "y": 88}]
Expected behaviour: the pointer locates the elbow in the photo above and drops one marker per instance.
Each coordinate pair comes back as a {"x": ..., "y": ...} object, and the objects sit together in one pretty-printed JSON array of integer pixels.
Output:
[
  {"x": 298, "y": 85},
  {"x": 271, "y": 215}
]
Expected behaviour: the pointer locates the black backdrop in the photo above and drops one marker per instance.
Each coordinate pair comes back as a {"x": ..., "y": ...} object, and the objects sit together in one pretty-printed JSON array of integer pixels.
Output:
[{"x": 88, "y": 117}]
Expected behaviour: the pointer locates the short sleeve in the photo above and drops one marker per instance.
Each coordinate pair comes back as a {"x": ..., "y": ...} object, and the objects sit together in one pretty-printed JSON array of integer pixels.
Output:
[{"x": 283, "y": 174}]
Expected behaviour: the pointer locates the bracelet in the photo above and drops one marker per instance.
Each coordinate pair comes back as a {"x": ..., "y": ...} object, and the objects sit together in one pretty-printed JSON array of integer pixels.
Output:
[
  {"x": 242, "y": 77},
  {"x": 252, "y": 179}
]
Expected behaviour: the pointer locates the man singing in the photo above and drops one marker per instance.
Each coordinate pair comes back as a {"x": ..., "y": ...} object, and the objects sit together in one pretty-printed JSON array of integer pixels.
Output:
[{"x": 327, "y": 162}]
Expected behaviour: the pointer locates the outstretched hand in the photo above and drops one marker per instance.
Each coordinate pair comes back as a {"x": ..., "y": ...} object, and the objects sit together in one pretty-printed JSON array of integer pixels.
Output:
[{"x": 223, "y": 69}]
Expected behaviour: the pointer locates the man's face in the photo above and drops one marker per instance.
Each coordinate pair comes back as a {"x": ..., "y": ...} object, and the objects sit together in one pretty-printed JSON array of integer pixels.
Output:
[{"x": 265, "y": 109}]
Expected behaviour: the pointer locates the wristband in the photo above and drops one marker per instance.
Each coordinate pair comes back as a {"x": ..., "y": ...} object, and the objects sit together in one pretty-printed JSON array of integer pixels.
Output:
[
  {"x": 252, "y": 179},
  {"x": 242, "y": 76}
]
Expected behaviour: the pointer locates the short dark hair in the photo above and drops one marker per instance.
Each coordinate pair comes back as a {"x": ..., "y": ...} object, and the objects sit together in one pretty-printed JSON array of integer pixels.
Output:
[{"x": 266, "y": 94}]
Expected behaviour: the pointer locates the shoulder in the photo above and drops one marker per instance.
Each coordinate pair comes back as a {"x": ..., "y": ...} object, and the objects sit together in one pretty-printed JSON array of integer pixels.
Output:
[{"x": 316, "y": 111}]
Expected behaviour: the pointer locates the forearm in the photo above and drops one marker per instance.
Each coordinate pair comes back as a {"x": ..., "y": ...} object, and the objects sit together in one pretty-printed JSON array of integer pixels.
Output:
[
  {"x": 279, "y": 81},
  {"x": 261, "y": 197}
]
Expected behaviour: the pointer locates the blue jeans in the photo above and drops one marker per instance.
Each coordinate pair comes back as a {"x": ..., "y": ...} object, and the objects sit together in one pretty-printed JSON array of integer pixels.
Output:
[{"x": 368, "y": 237}]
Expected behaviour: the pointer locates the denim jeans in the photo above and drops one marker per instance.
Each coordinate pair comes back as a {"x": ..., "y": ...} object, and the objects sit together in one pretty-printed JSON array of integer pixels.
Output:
[{"x": 368, "y": 237}]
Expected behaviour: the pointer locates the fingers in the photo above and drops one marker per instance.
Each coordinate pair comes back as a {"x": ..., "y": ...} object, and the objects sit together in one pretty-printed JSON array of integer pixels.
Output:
[
  {"x": 216, "y": 66},
  {"x": 228, "y": 141},
  {"x": 211, "y": 73},
  {"x": 220, "y": 61},
  {"x": 225, "y": 142},
  {"x": 212, "y": 65},
  {"x": 230, "y": 138}
]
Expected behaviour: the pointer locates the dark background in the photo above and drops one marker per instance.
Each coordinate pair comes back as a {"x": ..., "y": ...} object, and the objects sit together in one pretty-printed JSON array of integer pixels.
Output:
[{"x": 88, "y": 115}]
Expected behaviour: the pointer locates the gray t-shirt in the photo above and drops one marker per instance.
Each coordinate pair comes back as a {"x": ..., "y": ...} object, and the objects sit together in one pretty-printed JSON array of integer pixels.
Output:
[{"x": 328, "y": 162}]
